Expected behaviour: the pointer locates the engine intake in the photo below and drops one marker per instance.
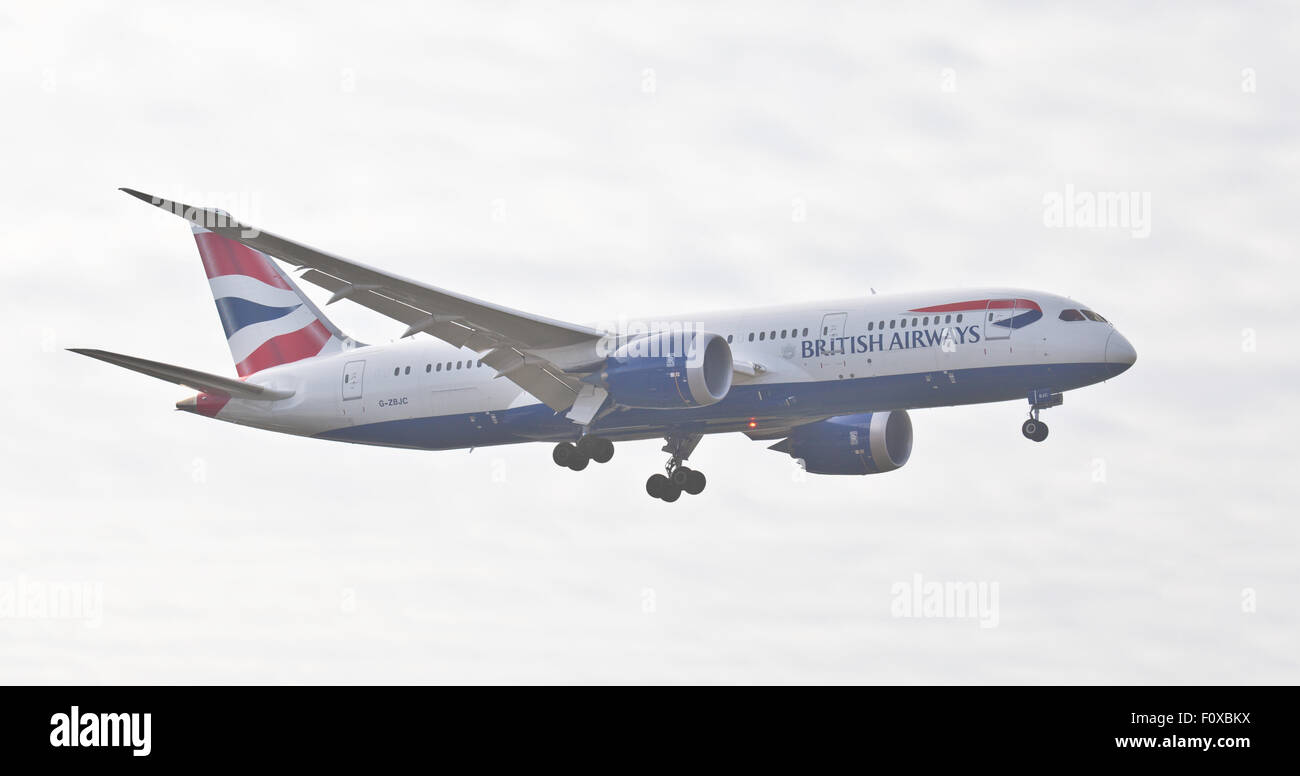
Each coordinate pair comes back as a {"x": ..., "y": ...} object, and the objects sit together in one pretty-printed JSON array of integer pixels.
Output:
[
  {"x": 669, "y": 371},
  {"x": 870, "y": 443}
]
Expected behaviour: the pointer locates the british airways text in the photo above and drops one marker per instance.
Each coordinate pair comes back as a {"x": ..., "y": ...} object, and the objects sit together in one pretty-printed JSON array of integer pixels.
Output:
[{"x": 898, "y": 340}]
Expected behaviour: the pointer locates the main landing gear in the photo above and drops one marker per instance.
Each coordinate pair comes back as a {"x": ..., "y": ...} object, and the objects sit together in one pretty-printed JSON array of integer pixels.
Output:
[
  {"x": 588, "y": 449},
  {"x": 1039, "y": 399},
  {"x": 678, "y": 479}
]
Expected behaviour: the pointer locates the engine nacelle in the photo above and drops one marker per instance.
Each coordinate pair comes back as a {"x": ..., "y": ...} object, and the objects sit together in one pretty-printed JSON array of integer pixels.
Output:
[
  {"x": 669, "y": 371},
  {"x": 870, "y": 443}
]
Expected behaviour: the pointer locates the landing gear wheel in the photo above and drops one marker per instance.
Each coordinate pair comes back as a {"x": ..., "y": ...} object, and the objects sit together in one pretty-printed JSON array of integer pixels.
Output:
[
  {"x": 656, "y": 485},
  {"x": 563, "y": 453},
  {"x": 1034, "y": 429},
  {"x": 596, "y": 448},
  {"x": 671, "y": 493},
  {"x": 680, "y": 476},
  {"x": 695, "y": 483},
  {"x": 579, "y": 462}
]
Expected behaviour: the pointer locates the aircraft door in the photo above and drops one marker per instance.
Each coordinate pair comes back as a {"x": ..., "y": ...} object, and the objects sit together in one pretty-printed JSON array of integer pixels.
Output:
[
  {"x": 832, "y": 330},
  {"x": 997, "y": 319},
  {"x": 353, "y": 373}
]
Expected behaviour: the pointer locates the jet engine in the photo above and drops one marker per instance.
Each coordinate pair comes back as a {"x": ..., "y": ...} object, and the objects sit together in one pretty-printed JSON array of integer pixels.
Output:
[
  {"x": 669, "y": 371},
  {"x": 870, "y": 443}
]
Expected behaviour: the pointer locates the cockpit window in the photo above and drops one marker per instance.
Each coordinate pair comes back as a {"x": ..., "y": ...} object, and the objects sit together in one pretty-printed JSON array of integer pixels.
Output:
[
  {"x": 1090, "y": 315},
  {"x": 1071, "y": 315}
]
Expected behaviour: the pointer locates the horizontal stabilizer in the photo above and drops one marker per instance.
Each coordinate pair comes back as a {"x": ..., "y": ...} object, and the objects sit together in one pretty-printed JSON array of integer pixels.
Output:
[{"x": 200, "y": 381}]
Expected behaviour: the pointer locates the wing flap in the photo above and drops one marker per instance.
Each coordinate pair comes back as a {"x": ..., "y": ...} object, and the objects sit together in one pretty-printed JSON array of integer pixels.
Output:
[{"x": 552, "y": 387}]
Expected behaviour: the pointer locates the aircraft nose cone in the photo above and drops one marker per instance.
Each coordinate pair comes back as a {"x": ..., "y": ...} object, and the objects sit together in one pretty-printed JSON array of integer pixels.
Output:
[{"x": 1120, "y": 354}]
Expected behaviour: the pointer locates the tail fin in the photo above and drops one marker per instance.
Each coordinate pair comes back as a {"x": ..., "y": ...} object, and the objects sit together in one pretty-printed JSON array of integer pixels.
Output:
[{"x": 267, "y": 318}]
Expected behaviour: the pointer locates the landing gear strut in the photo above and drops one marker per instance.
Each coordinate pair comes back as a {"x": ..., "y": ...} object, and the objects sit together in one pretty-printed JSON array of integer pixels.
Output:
[
  {"x": 1039, "y": 399},
  {"x": 588, "y": 449},
  {"x": 678, "y": 478}
]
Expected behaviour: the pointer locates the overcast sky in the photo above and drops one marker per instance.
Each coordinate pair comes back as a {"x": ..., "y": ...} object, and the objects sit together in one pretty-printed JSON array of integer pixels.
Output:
[{"x": 597, "y": 162}]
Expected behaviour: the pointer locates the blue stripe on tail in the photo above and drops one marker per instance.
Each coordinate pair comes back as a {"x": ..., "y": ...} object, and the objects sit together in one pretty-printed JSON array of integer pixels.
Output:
[{"x": 236, "y": 313}]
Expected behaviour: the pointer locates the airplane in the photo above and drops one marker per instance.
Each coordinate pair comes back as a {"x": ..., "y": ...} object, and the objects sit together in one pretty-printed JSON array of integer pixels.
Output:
[{"x": 830, "y": 383}]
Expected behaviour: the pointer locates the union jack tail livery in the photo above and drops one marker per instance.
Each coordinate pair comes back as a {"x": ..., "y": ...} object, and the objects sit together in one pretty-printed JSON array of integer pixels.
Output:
[{"x": 267, "y": 318}]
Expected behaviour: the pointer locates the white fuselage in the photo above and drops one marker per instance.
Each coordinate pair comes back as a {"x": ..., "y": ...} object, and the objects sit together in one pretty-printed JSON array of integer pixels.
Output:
[{"x": 810, "y": 361}]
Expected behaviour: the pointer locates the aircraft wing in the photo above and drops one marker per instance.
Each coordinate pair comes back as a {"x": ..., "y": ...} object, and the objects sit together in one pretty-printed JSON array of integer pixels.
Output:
[{"x": 545, "y": 357}]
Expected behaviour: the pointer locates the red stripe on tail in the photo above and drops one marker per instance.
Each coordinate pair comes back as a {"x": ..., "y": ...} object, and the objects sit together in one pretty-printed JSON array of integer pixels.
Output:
[
  {"x": 209, "y": 406},
  {"x": 223, "y": 256},
  {"x": 286, "y": 348}
]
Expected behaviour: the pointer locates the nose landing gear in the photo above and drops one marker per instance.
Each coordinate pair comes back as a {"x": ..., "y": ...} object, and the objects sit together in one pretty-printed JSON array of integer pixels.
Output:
[
  {"x": 1034, "y": 429},
  {"x": 1039, "y": 399}
]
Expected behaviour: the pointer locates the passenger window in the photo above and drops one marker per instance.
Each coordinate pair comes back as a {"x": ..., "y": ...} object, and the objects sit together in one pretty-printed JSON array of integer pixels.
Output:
[
  {"x": 762, "y": 335},
  {"x": 751, "y": 336},
  {"x": 805, "y": 332},
  {"x": 439, "y": 366},
  {"x": 892, "y": 323},
  {"x": 428, "y": 368},
  {"x": 397, "y": 370},
  {"x": 728, "y": 339},
  {"x": 1070, "y": 315},
  {"x": 773, "y": 334},
  {"x": 783, "y": 333},
  {"x": 871, "y": 325},
  {"x": 458, "y": 363},
  {"x": 958, "y": 317},
  {"x": 824, "y": 331},
  {"x": 448, "y": 366},
  {"x": 926, "y": 322},
  {"x": 903, "y": 325},
  {"x": 947, "y": 319}
]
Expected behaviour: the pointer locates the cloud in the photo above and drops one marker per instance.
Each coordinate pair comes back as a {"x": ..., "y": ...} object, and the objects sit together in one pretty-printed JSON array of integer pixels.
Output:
[{"x": 393, "y": 136}]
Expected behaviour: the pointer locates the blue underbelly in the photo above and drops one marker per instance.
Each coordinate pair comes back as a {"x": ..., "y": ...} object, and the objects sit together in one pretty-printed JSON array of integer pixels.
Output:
[{"x": 764, "y": 404}]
